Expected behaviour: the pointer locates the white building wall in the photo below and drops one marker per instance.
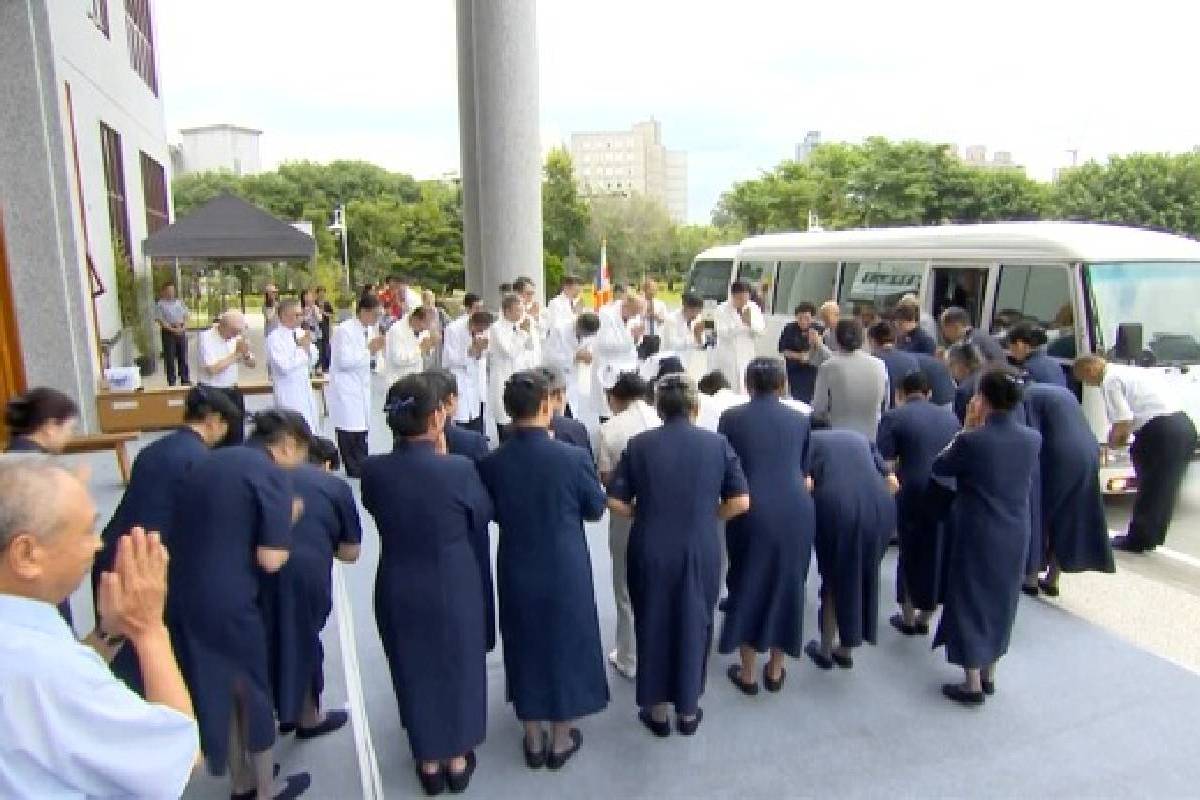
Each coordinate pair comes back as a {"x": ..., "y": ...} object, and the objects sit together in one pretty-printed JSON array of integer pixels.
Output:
[{"x": 221, "y": 148}]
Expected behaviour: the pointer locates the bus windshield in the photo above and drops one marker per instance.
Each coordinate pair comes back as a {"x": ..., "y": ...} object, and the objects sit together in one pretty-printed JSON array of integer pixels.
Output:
[
  {"x": 709, "y": 280},
  {"x": 1160, "y": 296}
]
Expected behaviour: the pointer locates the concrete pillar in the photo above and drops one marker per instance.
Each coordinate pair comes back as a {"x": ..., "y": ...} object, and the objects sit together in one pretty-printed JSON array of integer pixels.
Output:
[{"x": 502, "y": 161}]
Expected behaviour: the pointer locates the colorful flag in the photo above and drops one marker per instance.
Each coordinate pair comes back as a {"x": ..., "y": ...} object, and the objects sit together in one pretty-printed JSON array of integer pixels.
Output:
[{"x": 602, "y": 291}]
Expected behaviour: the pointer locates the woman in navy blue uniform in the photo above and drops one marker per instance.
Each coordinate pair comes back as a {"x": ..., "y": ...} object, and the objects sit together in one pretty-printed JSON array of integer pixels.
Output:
[
  {"x": 432, "y": 513},
  {"x": 937, "y": 375},
  {"x": 1025, "y": 343},
  {"x": 154, "y": 485},
  {"x": 993, "y": 463},
  {"x": 965, "y": 363},
  {"x": 543, "y": 490},
  {"x": 42, "y": 420},
  {"x": 913, "y": 434},
  {"x": 769, "y": 562},
  {"x": 856, "y": 515},
  {"x": 677, "y": 482},
  {"x": 460, "y": 440},
  {"x": 297, "y": 600},
  {"x": 899, "y": 363},
  {"x": 232, "y": 522},
  {"x": 1075, "y": 531}
]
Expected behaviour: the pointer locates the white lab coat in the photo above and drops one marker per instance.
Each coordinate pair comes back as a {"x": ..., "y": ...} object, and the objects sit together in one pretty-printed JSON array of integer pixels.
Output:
[
  {"x": 735, "y": 341},
  {"x": 680, "y": 339},
  {"x": 470, "y": 372},
  {"x": 510, "y": 350},
  {"x": 402, "y": 351},
  {"x": 559, "y": 353},
  {"x": 290, "y": 375},
  {"x": 713, "y": 406},
  {"x": 350, "y": 376},
  {"x": 615, "y": 352},
  {"x": 561, "y": 309}
]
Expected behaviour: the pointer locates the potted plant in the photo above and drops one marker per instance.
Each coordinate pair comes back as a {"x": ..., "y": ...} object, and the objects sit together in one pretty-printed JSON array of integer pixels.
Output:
[{"x": 133, "y": 291}]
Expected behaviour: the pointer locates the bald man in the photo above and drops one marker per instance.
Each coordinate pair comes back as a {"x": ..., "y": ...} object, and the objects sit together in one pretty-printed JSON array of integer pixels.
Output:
[
  {"x": 223, "y": 348},
  {"x": 69, "y": 727}
]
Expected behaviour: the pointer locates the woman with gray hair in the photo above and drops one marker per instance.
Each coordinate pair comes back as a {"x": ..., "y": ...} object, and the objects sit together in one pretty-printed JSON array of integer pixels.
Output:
[{"x": 676, "y": 482}]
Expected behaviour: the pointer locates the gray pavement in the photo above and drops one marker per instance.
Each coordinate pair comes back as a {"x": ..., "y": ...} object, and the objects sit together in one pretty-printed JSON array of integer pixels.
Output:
[{"x": 1080, "y": 711}]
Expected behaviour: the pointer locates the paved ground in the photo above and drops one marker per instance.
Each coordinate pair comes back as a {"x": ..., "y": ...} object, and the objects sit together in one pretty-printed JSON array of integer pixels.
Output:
[{"x": 1085, "y": 706}]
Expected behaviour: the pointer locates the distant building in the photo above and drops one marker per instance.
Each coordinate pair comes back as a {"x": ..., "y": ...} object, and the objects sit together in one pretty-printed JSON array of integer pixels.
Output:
[
  {"x": 632, "y": 162},
  {"x": 82, "y": 166},
  {"x": 209, "y": 148},
  {"x": 976, "y": 156},
  {"x": 812, "y": 140}
]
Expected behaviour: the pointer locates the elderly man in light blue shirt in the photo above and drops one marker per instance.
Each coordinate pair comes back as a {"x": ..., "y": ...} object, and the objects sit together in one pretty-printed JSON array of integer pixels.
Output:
[{"x": 68, "y": 728}]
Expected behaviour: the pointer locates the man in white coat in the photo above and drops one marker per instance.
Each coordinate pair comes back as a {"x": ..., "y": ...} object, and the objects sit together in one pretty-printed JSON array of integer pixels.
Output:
[
  {"x": 564, "y": 306},
  {"x": 683, "y": 335},
  {"x": 569, "y": 350},
  {"x": 352, "y": 346},
  {"x": 615, "y": 350},
  {"x": 512, "y": 347},
  {"x": 738, "y": 322},
  {"x": 408, "y": 342},
  {"x": 291, "y": 355},
  {"x": 464, "y": 353}
]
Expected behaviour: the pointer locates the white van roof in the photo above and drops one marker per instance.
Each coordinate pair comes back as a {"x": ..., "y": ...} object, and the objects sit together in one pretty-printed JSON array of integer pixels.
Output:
[
  {"x": 725, "y": 252},
  {"x": 1026, "y": 241}
]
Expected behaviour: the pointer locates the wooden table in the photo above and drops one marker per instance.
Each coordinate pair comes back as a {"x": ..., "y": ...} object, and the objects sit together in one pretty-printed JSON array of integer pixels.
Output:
[
  {"x": 96, "y": 442},
  {"x": 162, "y": 408}
]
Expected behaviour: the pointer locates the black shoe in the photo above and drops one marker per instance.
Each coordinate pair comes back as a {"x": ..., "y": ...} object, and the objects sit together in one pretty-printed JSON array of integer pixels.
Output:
[
  {"x": 723, "y": 605},
  {"x": 457, "y": 781},
  {"x": 659, "y": 729},
  {"x": 536, "y": 759},
  {"x": 432, "y": 783},
  {"x": 1030, "y": 589},
  {"x": 687, "y": 727},
  {"x": 555, "y": 760},
  {"x": 284, "y": 730},
  {"x": 735, "y": 674},
  {"x": 989, "y": 687},
  {"x": 296, "y": 785},
  {"x": 960, "y": 695},
  {"x": 845, "y": 662},
  {"x": 772, "y": 685},
  {"x": 1128, "y": 544},
  {"x": 333, "y": 720},
  {"x": 813, "y": 651},
  {"x": 1048, "y": 588},
  {"x": 922, "y": 628},
  {"x": 899, "y": 624}
]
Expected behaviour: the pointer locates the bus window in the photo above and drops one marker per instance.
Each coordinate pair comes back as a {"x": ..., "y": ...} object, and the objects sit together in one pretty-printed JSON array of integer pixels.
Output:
[
  {"x": 1038, "y": 294},
  {"x": 759, "y": 275},
  {"x": 962, "y": 287},
  {"x": 872, "y": 288},
  {"x": 709, "y": 280},
  {"x": 803, "y": 283}
]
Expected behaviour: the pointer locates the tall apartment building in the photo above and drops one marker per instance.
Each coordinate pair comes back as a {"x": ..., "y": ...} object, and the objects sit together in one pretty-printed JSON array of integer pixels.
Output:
[
  {"x": 632, "y": 162},
  {"x": 976, "y": 156},
  {"x": 209, "y": 148},
  {"x": 82, "y": 173},
  {"x": 812, "y": 140}
]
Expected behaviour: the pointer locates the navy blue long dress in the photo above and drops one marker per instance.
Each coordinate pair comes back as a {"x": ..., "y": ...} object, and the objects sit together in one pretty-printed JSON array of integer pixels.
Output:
[
  {"x": 1072, "y": 511},
  {"x": 432, "y": 513},
  {"x": 571, "y": 431},
  {"x": 23, "y": 444},
  {"x": 462, "y": 441},
  {"x": 149, "y": 501},
  {"x": 993, "y": 467},
  {"x": 296, "y": 601},
  {"x": 678, "y": 474},
  {"x": 771, "y": 545},
  {"x": 937, "y": 374},
  {"x": 914, "y": 434},
  {"x": 1040, "y": 368},
  {"x": 963, "y": 394},
  {"x": 230, "y": 503},
  {"x": 543, "y": 490},
  {"x": 855, "y": 518},
  {"x": 899, "y": 364}
]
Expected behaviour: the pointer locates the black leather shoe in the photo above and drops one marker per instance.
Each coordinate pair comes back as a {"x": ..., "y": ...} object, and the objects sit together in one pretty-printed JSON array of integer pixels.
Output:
[
  {"x": 536, "y": 759},
  {"x": 1127, "y": 544},
  {"x": 660, "y": 729},
  {"x": 774, "y": 686},
  {"x": 735, "y": 674},
  {"x": 457, "y": 782},
  {"x": 434, "y": 783},
  {"x": 333, "y": 720},
  {"x": 897, "y": 622},
  {"x": 555, "y": 760},
  {"x": 1030, "y": 589},
  {"x": 1048, "y": 589},
  {"x": 813, "y": 651},
  {"x": 960, "y": 695},
  {"x": 845, "y": 662},
  {"x": 922, "y": 628},
  {"x": 989, "y": 687},
  {"x": 295, "y": 786},
  {"x": 285, "y": 730},
  {"x": 687, "y": 727}
]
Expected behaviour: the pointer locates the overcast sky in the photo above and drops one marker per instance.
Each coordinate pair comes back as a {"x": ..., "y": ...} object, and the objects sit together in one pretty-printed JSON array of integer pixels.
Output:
[{"x": 735, "y": 84}]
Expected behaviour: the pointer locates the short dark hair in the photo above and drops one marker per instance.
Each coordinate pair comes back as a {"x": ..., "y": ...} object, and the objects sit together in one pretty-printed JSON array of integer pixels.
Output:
[
  {"x": 765, "y": 375},
  {"x": 882, "y": 333},
  {"x": 587, "y": 323},
  {"x": 274, "y": 424},
  {"x": 323, "y": 451},
  {"x": 713, "y": 382},
  {"x": 203, "y": 401},
  {"x": 482, "y": 318},
  {"x": 570, "y": 280},
  {"x": 630, "y": 387},
  {"x": 524, "y": 394},
  {"x": 956, "y": 315},
  {"x": 805, "y": 308},
  {"x": 1027, "y": 332},
  {"x": 691, "y": 300},
  {"x": 739, "y": 287},
  {"x": 31, "y": 410},
  {"x": 367, "y": 302},
  {"x": 522, "y": 283},
  {"x": 505, "y": 288},
  {"x": 849, "y": 334},
  {"x": 915, "y": 383},
  {"x": 420, "y": 313},
  {"x": 443, "y": 383},
  {"x": 669, "y": 365},
  {"x": 409, "y": 404},
  {"x": 675, "y": 396},
  {"x": 469, "y": 299},
  {"x": 1001, "y": 389},
  {"x": 966, "y": 354},
  {"x": 509, "y": 301}
]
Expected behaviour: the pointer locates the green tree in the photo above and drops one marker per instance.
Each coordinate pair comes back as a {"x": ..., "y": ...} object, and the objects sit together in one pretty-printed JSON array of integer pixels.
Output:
[
  {"x": 639, "y": 234},
  {"x": 1153, "y": 190},
  {"x": 565, "y": 216}
]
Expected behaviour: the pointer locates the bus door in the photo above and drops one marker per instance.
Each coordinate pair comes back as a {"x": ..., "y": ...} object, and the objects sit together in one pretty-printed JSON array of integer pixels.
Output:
[{"x": 961, "y": 286}]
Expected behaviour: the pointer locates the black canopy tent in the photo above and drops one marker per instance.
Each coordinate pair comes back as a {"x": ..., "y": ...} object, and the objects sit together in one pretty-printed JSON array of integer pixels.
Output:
[{"x": 227, "y": 229}]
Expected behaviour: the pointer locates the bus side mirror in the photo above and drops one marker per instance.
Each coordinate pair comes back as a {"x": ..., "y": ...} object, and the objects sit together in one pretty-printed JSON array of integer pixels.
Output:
[{"x": 1129, "y": 342}]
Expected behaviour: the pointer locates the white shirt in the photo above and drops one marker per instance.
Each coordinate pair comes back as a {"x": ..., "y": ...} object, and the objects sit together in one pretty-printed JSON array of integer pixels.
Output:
[
  {"x": 677, "y": 333},
  {"x": 561, "y": 309},
  {"x": 69, "y": 729},
  {"x": 735, "y": 341},
  {"x": 402, "y": 351},
  {"x": 350, "y": 376},
  {"x": 289, "y": 368},
  {"x": 615, "y": 352},
  {"x": 562, "y": 344},
  {"x": 470, "y": 371},
  {"x": 616, "y": 433},
  {"x": 510, "y": 350},
  {"x": 214, "y": 347},
  {"x": 1137, "y": 395},
  {"x": 713, "y": 406},
  {"x": 660, "y": 310}
]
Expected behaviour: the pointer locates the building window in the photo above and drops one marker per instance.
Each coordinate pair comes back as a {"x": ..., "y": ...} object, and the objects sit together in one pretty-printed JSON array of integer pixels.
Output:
[
  {"x": 141, "y": 41},
  {"x": 114, "y": 185},
  {"x": 97, "y": 11},
  {"x": 154, "y": 194}
]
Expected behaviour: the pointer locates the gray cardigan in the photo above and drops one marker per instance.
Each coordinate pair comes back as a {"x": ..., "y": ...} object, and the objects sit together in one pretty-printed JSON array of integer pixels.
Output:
[{"x": 852, "y": 389}]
